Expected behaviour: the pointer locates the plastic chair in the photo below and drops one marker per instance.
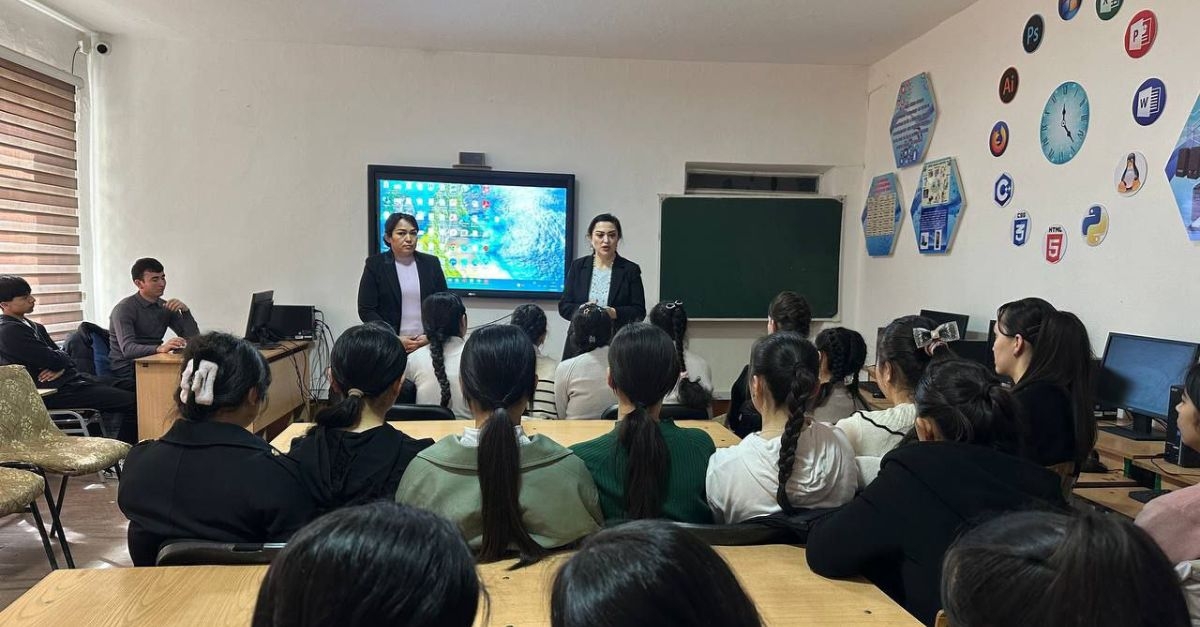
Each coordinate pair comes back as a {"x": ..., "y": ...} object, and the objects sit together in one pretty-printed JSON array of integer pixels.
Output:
[
  {"x": 419, "y": 412},
  {"x": 28, "y": 435},
  {"x": 19, "y": 490},
  {"x": 199, "y": 552},
  {"x": 668, "y": 412}
]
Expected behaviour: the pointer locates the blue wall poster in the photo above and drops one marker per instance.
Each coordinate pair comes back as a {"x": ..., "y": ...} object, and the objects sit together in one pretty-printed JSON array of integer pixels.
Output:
[
  {"x": 1183, "y": 171},
  {"x": 913, "y": 120},
  {"x": 937, "y": 206},
  {"x": 882, "y": 215}
]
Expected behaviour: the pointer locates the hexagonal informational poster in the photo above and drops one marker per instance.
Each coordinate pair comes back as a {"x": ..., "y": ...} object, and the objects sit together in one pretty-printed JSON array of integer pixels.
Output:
[
  {"x": 1183, "y": 171},
  {"x": 937, "y": 206},
  {"x": 913, "y": 120},
  {"x": 882, "y": 215}
]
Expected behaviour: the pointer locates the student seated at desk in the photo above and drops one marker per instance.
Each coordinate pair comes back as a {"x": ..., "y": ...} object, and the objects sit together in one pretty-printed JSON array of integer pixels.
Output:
[
  {"x": 648, "y": 573},
  {"x": 843, "y": 353},
  {"x": 965, "y": 465},
  {"x": 695, "y": 382},
  {"x": 646, "y": 467},
  {"x": 532, "y": 320},
  {"x": 433, "y": 368},
  {"x": 208, "y": 477},
  {"x": 788, "y": 311},
  {"x": 1047, "y": 354},
  {"x": 139, "y": 321},
  {"x": 352, "y": 455},
  {"x": 900, "y": 364},
  {"x": 503, "y": 488},
  {"x": 1043, "y": 568},
  {"x": 793, "y": 462},
  {"x": 1173, "y": 520},
  {"x": 581, "y": 383},
  {"x": 370, "y": 566}
]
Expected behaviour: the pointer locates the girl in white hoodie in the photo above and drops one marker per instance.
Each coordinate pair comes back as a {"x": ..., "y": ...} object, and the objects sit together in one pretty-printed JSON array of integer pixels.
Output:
[{"x": 793, "y": 462}]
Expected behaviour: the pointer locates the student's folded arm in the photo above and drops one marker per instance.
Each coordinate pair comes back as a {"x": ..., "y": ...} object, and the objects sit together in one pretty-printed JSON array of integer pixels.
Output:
[
  {"x": 123, "y": 335},
  {"x": 184, "y": 324},
  {"x": 23, "y": 346}
]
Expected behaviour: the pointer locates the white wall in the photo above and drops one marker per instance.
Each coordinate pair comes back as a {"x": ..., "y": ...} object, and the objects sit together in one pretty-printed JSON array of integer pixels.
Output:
[
  {"x": 1142, "y": 278},
  {"x": 36, "y": 35},
  {"x": 242, "y": 166}
]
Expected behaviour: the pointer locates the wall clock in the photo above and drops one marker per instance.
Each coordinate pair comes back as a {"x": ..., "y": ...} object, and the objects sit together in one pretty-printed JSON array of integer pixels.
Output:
[{"x": 1065, "y": 122}]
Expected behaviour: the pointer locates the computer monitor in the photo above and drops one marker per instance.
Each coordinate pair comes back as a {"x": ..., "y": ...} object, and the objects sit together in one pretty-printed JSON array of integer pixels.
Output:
[
  {"x": 942, "y": 317},
  {"x": 259, "y": 320},
  {"x": 1136, "y": 374}
]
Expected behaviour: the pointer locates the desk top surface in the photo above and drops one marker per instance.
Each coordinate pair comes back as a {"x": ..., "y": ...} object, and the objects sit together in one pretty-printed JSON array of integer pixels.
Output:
[
  {"x": 1114, "y": 499},
  {"x": 1120, "y": 446},
  {"x": 565, "y": 432},
  {"x": 283, "y": 350},
  {"x": 776, "y": 577}
]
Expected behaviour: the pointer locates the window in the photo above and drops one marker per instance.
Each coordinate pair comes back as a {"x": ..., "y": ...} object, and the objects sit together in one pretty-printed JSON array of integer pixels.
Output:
[
  {"x": 39, "y": 203},
  {"x": 749, "y": 179}
]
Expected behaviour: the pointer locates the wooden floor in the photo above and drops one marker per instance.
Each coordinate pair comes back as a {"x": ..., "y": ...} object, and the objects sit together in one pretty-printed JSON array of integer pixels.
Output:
[{"x": 95, "y": 529}]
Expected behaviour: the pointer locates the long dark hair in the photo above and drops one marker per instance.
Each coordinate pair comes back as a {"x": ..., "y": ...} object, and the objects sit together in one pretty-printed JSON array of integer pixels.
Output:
[
  {"x": 1045, "y": 568},
  {"x": 240, "y": 368},
  {"x": 367, "y": 358},
  {"x": 791, "y": 312},
  {"x": 969, "y": 403},
  {"x": 532, "y": 320},
  {"x": 846, "y": 352},
  {"x": 672, "y": 318},
  {"x": 418, "y": 558},
  {"x": 591, "y": 328},
  {"x": 898, "y": 348},
  {"x": 787, "y": 364},
  {"x": 499, "y": 369},
  {"x": 647, "y": 573},
  {"x": 644, "y": 367},
  {"x": 442, "y": 313},
  {"x": 1062, "y": 356}
]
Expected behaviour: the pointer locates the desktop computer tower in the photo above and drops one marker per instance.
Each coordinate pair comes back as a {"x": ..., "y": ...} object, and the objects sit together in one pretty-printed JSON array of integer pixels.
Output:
[
  {"x": 293, "y": 322},
  {"x": 1177, "y": 452}
]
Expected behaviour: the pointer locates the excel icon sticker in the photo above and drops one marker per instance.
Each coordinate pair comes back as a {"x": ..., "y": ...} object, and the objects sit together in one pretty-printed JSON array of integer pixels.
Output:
[
  {"x": 1055, "y": 246},
  {"x": 1021, "y": 226}
]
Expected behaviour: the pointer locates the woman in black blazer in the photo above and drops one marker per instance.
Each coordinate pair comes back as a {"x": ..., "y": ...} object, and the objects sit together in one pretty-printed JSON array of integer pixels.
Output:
[
  {"x": 623, "y": 296},
  {"x": 380, "y": 294}
]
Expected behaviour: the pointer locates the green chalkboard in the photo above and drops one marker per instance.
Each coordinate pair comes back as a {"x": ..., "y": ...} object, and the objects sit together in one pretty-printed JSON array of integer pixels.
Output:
[{"x": 728, "y": 257}]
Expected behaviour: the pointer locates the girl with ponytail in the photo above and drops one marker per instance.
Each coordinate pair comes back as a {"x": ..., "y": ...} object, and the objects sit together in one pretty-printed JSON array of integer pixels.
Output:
[
  {"x": 788, "y": 311},
  {"x": 793, "y": 462},
  {"x": 695, "y": 382},
  {"x": 843, "y": 353},
  {"x": 532, "y": 320},
  {"x": 352, "y": 455},
  {"x": 965, "y": 467},
  {"x": 209, "y": 477},
  {"x": 433, "y": 369},
  {"x": 505, "y": 490},
  {"x": 644, "y": 467},
  {"x": 581, "y": 388}
]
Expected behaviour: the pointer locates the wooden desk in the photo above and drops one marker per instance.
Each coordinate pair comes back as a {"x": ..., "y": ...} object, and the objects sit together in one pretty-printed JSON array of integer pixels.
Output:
[
  {"x": 1113, "y": 499},
  {"x": 776, "y": 577},
  {"x": 565, "y": 432},
  {"x": 1170, "y": 476},
  {"x": 1124, "y": 448},
  {"x": 1112, "y": 479},
  {"x": 158, "y": 385}
]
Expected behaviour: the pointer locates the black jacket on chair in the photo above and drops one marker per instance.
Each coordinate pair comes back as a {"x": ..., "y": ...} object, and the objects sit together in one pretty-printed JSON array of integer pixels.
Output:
[
  {"x": 625, "y": 293},
  {"x": 379, "y": 289}
]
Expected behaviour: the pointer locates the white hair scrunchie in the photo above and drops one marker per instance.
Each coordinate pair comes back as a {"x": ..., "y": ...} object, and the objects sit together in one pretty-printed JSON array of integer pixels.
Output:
[{"x": 198, "y": 380}]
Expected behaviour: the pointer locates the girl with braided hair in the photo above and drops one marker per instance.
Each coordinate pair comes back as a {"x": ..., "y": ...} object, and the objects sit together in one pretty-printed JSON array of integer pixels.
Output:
[
  {"x": 695, "y": 382},
  {"x": 646, "y": 467},
  {"x": 843, "y": 353},
  {"x": 433, "y": 368},
  {"x": 502, "y": 487},
  {"x": 793, "y": 462}
]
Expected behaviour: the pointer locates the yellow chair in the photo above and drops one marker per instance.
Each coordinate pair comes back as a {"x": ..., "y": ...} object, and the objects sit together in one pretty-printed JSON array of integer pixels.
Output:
[
  {"x": 19, "y": 490},
  {"x": 28, "y": 435}
]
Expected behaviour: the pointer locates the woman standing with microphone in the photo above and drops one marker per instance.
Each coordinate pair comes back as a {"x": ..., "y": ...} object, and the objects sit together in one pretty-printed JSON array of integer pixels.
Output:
[
  {"x": 605, "y": 278},
  {"x": 395, "y": 282}
]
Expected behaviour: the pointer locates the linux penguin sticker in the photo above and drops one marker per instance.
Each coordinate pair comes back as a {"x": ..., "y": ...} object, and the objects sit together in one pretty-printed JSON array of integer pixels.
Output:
[{"x": 1095, "y": 225}]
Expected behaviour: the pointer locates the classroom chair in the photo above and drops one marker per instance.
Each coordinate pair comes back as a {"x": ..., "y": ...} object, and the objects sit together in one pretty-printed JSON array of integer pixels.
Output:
[
  {"x": 669, "y": 412},
  {"x": 77, "y": 421},
  {"x": 19, "y": 490},
  {"x": 419, "y": 412},
  {"x": 27, "y": 435},
  {"x": 202, "y": 553}
]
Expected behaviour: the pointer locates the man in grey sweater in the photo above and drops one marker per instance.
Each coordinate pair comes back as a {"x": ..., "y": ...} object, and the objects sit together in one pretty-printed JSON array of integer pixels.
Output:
[{"x": 138, "y": 322}]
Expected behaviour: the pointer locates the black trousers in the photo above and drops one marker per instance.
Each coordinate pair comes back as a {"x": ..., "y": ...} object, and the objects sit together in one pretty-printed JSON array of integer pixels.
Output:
[{"x": 90, "y": 393}]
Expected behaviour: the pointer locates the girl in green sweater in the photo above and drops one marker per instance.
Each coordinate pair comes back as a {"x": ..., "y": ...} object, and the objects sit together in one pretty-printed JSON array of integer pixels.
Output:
[{"x": 644, "y": 467}]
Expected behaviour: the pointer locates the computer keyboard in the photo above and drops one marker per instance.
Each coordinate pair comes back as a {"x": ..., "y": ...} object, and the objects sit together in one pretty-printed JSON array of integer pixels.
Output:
[{"x": 1145, "y": 496}]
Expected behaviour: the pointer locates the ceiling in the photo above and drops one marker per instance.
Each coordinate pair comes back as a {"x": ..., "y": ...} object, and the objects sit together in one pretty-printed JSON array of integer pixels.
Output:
[{"x": 834, "y": 32}]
